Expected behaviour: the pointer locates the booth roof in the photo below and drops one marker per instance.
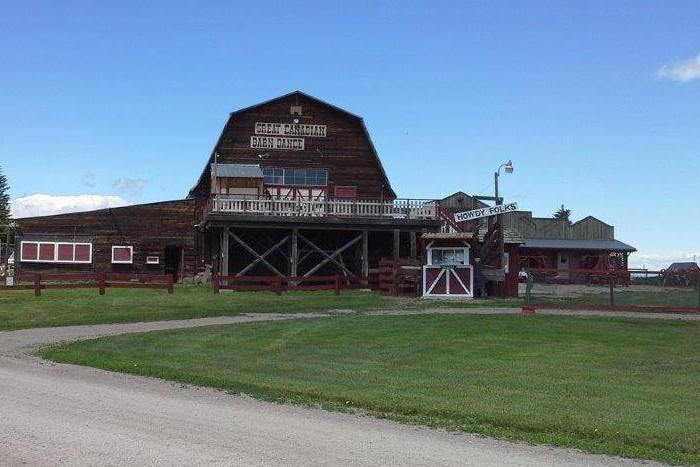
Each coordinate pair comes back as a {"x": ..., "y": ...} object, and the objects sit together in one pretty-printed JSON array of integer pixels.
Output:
[{"x": 448, "y": 236}]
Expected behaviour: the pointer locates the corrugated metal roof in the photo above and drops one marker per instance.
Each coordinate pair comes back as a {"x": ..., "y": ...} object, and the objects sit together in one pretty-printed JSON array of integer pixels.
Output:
[
  {"x": 237, "y": 170},
  {"x": 561, "y": 244}
]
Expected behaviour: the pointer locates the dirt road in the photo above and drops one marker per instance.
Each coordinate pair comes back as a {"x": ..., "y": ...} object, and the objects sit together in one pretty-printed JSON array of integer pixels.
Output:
[{"x": 69, "y": 415}]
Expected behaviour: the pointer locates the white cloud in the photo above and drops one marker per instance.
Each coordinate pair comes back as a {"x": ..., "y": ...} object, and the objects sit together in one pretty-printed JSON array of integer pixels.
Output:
[
  {"x": 683, "y": 70},
  {"x": 44, "y": 205},
  {"x": 660, "y": 260},
  {"x": 131, "y": 186}
]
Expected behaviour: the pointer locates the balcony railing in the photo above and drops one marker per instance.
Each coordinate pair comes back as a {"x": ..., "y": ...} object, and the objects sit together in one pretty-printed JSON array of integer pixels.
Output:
[{"x": 396, "y": 209}]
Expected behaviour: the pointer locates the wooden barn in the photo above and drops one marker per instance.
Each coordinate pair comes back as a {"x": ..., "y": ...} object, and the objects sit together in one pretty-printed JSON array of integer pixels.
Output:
[{"x": 294, "y": 188}]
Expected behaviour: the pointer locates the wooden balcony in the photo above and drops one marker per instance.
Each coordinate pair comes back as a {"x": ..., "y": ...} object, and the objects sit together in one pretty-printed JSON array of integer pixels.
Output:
[{"x": 341, "y": 208}]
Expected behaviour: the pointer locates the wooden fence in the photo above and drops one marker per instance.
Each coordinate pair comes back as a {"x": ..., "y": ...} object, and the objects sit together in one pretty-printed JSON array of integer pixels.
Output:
[
  {"x": 88, "y": 280},
  {"x": 279, "y": 284}
]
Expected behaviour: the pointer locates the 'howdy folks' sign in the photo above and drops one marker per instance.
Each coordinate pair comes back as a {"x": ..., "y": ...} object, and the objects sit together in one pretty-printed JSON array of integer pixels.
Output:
[{"x": 485, "y": 212}]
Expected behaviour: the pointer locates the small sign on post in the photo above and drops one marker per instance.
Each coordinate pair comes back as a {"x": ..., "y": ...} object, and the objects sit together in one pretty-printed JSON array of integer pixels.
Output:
[{"x": 485, "y": 212}]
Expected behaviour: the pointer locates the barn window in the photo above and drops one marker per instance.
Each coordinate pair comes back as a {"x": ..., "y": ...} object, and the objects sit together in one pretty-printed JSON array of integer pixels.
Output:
[
  {"x": 296, "y": 177},
  {"x": 56, "y": 252},
  {"x": 273, "y": 176},
  {"x": 152, "y": 260},
  {"x": 122, "y": 254}
]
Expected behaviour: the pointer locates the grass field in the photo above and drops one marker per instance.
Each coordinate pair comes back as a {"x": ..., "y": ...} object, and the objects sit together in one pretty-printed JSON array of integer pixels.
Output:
[
  {"x": 20, "y": 309},
  {"x": 672, "y": 297},
  {"x": 610, "y": 385}
]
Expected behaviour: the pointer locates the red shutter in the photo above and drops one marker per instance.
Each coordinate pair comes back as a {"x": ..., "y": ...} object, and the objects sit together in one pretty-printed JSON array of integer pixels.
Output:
[
  {"x": 30, "y": 251},
  {"x": 346, "y": 192},
  {"x": 121, "y": 254},
  {"x": 82, "y": 253},
  {"x": 47, "y": 251},
  {"x": 65, "y": 252}
]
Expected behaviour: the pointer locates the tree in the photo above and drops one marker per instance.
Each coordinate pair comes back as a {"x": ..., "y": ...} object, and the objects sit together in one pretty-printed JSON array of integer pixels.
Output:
[
  {"x": 563, "y": 214},
  {"x": 4, "y": 200},
  {"x": 4, "y": 207}
]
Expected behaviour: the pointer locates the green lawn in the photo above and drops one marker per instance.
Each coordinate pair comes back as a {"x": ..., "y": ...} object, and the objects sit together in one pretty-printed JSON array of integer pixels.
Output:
[
  {"x": 20, "y": 309},
  {"x": 664, "y": 297},
  {"x": 627, "y": 387}
]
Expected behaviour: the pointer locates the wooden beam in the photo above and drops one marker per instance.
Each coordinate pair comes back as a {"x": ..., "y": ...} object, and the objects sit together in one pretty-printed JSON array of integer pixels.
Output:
[
  {"x": 262, "y": 257},
  {"x": 294, "y": 259},
  {"x": 414, "y": 248},
  {"x": 397, "y": 244},
  {"x": 224, "y": 251},
  {"x": 365, "y": 253},
  {"x": 255, "y": 253},
  {"x": 330, "y": 257}
]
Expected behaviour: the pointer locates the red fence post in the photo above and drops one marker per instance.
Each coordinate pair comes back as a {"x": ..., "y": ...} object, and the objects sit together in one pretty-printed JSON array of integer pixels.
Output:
[
  {"x": 215, "y": 283},
  {"x": 37, "y": 285},
  {"x": 171, "y": 280},
  {"x": 337, "y": 284},
  {"x": 611, "y": 280},
  {"x": 277, "y": 285},
  {"x": 101, "y": 282}
]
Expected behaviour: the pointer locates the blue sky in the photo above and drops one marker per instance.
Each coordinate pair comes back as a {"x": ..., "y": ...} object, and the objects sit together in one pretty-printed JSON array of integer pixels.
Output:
[{"x": 597, "y": 103}]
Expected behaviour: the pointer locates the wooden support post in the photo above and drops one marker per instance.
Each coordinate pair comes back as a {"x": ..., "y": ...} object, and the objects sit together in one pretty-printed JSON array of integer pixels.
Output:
[
  {"x": 397, "y": 244},
  {"x": 37, "y": 285},
  {"x": 697, "y": 282},
  {"x": 337, "y": 284},
  {"x": 365, "y": 254},
  {"x": 215, "y": 283},
  {"x": 294, "y": 257},
  {"x": 101, "y": 282},
  {"x": 611, "y": 280},
  {"x": 414, "y": 248},
  {"x": 171, "y": 280},
  {"x": 224, "y": 251}
]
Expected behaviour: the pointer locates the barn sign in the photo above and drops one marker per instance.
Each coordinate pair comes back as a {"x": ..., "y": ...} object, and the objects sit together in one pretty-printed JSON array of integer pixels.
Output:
[
  {"x": 276, "y": 142},
  {"x": 485, "y": 212},
  {"x": 290, "y": 129}
]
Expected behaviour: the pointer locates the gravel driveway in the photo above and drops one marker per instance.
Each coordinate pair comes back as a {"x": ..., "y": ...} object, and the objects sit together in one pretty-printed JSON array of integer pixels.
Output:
[{"x": 53, "y": 414}]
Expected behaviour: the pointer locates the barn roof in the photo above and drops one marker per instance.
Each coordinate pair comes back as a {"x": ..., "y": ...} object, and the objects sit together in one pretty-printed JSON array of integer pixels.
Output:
[
  {"x": 563, "y": 244},
  {"x": 373, "y": 149},
  {"x": 237, "y": 170},
  {"x": 683, "y": 266}
]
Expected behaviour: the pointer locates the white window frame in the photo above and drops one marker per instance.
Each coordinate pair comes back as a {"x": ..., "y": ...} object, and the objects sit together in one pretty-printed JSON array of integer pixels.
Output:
[
  {"x": 55, "y": 252},
  {"x": 131, "y": 256},
  {"x": 152, "y": 259}
]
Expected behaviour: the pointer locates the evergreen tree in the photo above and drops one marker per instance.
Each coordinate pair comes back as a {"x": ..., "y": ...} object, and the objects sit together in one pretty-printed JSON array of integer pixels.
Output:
[
  {"x": 563, "y": 214},
  {"x": 4, "y": 208}
]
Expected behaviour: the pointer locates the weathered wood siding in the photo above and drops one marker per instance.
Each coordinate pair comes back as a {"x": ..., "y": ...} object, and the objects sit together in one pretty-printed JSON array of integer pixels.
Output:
[
  {"x": 149, "y": 228},
  {"x": 588, "y": 228},
  {"x": 346, "y": 152}
]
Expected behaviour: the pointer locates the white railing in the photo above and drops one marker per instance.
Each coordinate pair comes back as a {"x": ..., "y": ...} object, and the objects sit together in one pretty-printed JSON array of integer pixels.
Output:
[{"x": 397, "y": 209}]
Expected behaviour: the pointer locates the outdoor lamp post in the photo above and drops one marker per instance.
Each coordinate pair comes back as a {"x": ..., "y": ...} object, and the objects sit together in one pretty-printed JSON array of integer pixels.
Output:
[
  {"x": 508, "y": 166},
  {"x": 509, "y": 170}
]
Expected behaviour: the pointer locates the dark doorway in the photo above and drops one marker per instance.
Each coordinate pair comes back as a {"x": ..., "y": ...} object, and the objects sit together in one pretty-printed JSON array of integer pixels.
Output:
[{"x": 173, "y": 260}]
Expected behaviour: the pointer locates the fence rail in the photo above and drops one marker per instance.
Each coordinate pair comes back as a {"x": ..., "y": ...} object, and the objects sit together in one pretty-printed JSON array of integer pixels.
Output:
[
  {"x": 611, "y": 279},
  {"x": 278, "y": 284},
  {"x": 88, "y": 280},
  {"x": 396, "y": 209}
]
